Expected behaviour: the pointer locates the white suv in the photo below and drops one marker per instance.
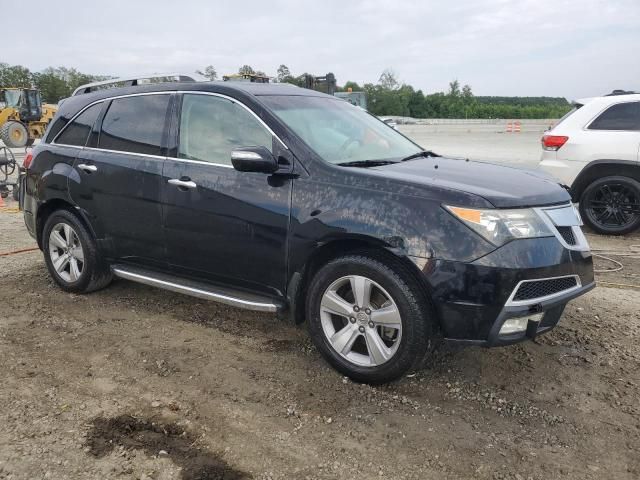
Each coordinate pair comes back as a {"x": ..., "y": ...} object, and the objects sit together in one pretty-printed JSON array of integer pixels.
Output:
[{"x": 595, "y": 150}]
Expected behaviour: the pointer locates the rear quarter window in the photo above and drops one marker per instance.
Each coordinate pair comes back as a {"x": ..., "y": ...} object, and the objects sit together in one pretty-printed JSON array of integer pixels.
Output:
[
  {"x": 576, "y": 107},
  {"x": 77, "y": 132},
  {"x": 621, "y": 116}
]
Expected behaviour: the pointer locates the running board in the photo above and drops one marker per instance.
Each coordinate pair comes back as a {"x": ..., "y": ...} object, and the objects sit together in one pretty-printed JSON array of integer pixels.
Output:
[{"x": 196, "y": 289}]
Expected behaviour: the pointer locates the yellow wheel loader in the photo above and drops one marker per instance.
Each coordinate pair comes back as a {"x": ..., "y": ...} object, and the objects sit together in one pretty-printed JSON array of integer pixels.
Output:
[{"x": 23, "y": 117}]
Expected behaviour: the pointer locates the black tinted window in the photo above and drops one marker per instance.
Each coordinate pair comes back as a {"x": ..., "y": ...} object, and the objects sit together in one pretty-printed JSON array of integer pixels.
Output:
[
  {"x": 135, "y": 124},
  {"x": 623, "y": 116},
  {"x": 77, "y": 131}
]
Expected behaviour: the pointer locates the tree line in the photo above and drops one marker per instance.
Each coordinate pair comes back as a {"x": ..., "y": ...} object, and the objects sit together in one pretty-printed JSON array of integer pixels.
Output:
[
  {"x": 53, "y": 83},
  {"x": 386, "y": 97},
  {"x": 390, "y": 97}
]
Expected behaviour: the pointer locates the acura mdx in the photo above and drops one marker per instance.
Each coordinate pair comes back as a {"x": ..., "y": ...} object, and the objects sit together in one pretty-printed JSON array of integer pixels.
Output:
[{"x": 280, "y": 199}]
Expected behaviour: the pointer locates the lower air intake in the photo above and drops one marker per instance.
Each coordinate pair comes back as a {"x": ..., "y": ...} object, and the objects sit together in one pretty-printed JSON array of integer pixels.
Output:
[
  {"x": 531, "y": 290},
  {"x": 567, "y": 235}
]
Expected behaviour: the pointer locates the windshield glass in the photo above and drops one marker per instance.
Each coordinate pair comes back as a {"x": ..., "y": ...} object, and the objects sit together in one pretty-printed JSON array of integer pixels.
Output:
[
  {"x": 12, "y": 97},
  {"x": 338, "y": 131}
]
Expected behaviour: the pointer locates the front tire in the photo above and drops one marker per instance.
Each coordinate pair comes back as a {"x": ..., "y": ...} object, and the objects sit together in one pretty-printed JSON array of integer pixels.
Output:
[
  {"x": 611, "y": 205},
  {"x": 368, "y": 319},
  {"x": 71, "y": 254}
]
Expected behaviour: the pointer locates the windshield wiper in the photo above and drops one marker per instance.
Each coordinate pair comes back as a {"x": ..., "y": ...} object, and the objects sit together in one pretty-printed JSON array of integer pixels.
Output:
[
  {"x": 366, "y": 163},
  {"x": 422, "y": 153}
]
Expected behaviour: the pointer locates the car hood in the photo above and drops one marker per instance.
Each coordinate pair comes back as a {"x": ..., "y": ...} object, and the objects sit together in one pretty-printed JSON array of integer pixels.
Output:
[{"x": 502, "y": 186}]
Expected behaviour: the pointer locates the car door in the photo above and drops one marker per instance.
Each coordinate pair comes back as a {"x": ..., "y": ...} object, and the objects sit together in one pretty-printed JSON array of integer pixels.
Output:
[
  {"x": 223, "y": 225},
  {"x": 119, "y": 178}
]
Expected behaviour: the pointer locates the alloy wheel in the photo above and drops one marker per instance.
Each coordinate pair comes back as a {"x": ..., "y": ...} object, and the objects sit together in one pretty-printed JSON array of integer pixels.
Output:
[
  {"x": 66, "y": 253},
  {"x": 361, "y": 321},
  {"x": 614, "y": 205}
]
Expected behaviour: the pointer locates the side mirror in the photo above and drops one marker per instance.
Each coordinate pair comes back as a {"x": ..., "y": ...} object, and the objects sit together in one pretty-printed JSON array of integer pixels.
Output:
[{"x": 254, "y": 159}]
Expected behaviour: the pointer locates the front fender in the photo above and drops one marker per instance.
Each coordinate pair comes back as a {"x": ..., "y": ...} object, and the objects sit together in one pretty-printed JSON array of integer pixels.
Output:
[{"x": 411, "y": 226}]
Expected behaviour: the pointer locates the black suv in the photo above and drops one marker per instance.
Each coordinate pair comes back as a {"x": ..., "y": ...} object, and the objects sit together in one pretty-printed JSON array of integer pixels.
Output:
[{"x": 275, "y": 198}]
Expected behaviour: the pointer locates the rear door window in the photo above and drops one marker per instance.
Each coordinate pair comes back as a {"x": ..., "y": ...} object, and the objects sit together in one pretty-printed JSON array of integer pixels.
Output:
[
  {"x": 77, "y": 132},
  {"x": 135, "y": 124},
  {"x": 622, "y": 116}
]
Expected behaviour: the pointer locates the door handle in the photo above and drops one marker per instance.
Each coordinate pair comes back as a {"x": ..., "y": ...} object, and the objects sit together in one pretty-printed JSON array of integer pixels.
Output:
[
  {"x": 87, "y": 168},
  {"x": 182, "y": 183}
]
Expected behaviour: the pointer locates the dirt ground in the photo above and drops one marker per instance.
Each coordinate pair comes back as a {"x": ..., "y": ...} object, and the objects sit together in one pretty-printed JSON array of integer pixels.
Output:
[{"x": 137, "y": 383}]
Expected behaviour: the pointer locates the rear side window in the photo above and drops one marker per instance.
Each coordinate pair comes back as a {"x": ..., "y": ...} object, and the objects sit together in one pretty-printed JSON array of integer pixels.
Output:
[
  {"x": 77, "y": 131},
  {"x": 575, "y": 108},
  {"x": 211, "y": 127},
  {"x": 622, "y": 116},
  {"x": 135, "y": 124}
]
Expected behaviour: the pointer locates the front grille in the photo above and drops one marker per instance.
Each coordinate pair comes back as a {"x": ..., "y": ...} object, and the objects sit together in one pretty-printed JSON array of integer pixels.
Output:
[
  {"x": 541, "y": 288},
  {"x": 567, "y": 234}
]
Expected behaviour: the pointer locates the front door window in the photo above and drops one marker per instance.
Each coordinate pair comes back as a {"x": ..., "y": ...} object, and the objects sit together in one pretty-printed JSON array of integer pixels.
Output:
[{"x": 211, "y": 127}]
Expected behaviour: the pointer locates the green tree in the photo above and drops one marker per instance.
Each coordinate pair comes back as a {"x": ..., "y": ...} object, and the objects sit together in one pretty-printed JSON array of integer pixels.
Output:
[
  {"x": 417, "y": 105},
  {"x": 454, "y": 88},
  {"x": 52, "y": 87},
  {"x": 353, "y": 86},
  {"x": 246, "y": 70},
  {"x": 209, "y": 72},
  {"x": 60, "y": 82},
  {"x": 283, "y": 74},
  {"x": 14, "y": 76},
  {"x": 388, "y": 79}
]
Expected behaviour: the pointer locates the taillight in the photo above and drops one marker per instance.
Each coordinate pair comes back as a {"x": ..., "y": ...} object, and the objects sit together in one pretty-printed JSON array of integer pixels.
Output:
[
  {"x": 553, "y": 142},
  {"x": 28, "y": 158}
]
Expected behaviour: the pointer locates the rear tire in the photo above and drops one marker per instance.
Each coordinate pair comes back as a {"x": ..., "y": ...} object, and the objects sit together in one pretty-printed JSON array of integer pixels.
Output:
[
  {"x": 71, "y": 254},
  {"x": 14, "y": 134},
  {"x": 611, "y": 205},
  {"x": 379, "y": 340}
]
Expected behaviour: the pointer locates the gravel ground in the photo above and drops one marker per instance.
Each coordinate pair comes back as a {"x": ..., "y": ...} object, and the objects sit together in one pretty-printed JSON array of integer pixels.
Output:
[{"x": 137, "y": 383}]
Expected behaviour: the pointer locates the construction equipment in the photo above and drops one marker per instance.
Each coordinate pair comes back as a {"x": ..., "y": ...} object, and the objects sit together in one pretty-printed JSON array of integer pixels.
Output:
[
  {"x": 23, "y": 117},
  {"x": 359, "y": 99},
  {"x": 246, "y": 77},
  {"x": 327, "y": 84}
]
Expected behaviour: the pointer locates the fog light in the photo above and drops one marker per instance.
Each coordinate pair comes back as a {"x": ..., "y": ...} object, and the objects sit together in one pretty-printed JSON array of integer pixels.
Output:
[{"x": 519, "y": 324}]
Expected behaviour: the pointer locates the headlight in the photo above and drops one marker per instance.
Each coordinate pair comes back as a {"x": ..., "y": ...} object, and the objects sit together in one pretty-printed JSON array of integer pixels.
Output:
[{"x": 500, "y": 226}]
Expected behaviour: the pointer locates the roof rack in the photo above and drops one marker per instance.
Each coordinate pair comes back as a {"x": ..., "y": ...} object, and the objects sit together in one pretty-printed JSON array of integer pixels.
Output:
[
  {"x": 138, "y": 80},
  {"x": 620, "y": 92}
]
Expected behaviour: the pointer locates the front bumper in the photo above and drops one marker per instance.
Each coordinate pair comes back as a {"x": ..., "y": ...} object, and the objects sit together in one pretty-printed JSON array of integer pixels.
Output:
[
  {"x": 473, "y": 300},
  {"x": 551, "y": 310}
]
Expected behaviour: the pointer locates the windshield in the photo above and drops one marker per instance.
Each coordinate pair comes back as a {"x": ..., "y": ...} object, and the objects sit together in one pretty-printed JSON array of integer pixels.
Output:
[
  {"x": 12, "y": 98},
  {"x": 338, "y": 131}
]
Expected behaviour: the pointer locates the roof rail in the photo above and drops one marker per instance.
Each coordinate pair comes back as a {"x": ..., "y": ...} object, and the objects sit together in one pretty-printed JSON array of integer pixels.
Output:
[
  {"x": 620, "y": 92},
  {"x": 137, "y": 80}
]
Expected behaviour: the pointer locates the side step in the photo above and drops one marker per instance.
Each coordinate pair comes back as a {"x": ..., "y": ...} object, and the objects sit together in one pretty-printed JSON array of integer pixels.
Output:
[{"x": 202, "y": 290}]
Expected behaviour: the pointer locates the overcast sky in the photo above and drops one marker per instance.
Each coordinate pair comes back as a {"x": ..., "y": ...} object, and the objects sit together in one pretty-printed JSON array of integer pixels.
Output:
[{"x": 500, "y": 47}]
